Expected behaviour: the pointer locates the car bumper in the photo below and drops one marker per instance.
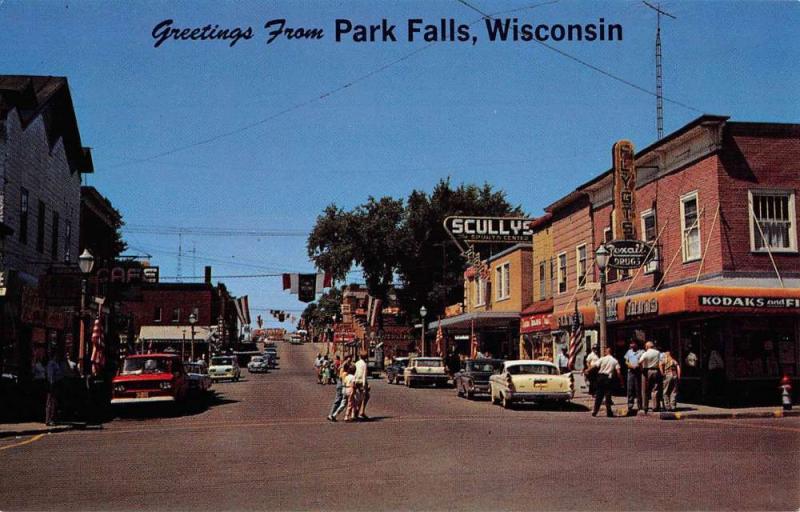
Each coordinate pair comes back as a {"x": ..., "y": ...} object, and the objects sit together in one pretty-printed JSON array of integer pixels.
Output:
[
  {"x": 540, "y": 396},
  {"x": 148, "y": 400},
  {"x": 428, "y": 378},
  {"x": 223, "y": 376},
  {"x": 479, "y": 388}
]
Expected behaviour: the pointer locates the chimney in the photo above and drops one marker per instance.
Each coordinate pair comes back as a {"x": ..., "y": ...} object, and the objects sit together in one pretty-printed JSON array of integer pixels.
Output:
[{"x": 208, "y": 274}]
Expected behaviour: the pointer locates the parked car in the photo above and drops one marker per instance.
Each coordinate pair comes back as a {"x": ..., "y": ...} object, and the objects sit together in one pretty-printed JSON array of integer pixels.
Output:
[
  {"x": 272, "y": 350},
  {"x": 257, "y": 364},
  {"x": 425, "y": 370},
  {"x": 529, "y": 381},
  {"x": 269, "y": 358},
  {"x": 199, "y": 379},
  {"x": 224, "y": 367},
  {"x": 394, "y": 372},
  {"x": 150, "y": 378},
  {"x": 473, "y": 378}
]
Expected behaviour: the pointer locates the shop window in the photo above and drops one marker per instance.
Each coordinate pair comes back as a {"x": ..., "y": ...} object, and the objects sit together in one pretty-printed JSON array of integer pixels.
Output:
[
  {"x": 23, "y": 216},
  {"x": 54, "y": 237},
  {"x": 690, "y": 227},
  {"x": 649, "y": 234},
  {"x": 67, "y": 241},
  {"x": 40, "y": 228},
  {"x": 580, "y": 266},
  {"x": 157, "y": 314},
  {"x": 503, "y": 280},
  {"x": 542, "y": 280},
  {"x": 772, "y": 221},
  {"x": 562, "y": 272}
]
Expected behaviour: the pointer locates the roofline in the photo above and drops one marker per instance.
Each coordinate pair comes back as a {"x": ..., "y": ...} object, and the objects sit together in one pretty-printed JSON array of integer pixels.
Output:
[{"x": 506, "y": 252}]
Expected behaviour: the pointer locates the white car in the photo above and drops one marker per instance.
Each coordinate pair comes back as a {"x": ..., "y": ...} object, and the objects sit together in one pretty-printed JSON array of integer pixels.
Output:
[
  {"x": 425, "y": 370},
  {"x": 528, "y": 380},
  {"x": 257, "y": 364},
  {"x": 224, "y": 367}
]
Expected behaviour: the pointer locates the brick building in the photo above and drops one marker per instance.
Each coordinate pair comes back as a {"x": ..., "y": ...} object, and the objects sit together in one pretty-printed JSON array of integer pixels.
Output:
[{"x": 41, "y": 162}]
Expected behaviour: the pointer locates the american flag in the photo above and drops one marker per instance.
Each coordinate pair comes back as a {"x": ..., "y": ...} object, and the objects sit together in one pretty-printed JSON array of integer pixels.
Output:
[
  {"x": 575, "y": 337},
  {"x": 439, "y": 341},
  {"x": 473, "y": 340},
  {"x": 98, "y": 347}
]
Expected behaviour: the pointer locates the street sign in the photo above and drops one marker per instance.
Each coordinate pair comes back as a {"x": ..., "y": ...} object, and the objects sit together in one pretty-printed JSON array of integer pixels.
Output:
[{"x": 628, "y": 254}]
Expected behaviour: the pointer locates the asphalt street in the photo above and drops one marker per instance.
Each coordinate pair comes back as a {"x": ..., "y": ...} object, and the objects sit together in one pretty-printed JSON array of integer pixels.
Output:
[{"x": 263, "y": 443}]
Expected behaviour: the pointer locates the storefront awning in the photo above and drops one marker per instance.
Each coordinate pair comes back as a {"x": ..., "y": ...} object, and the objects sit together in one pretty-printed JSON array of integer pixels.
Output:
[
  {"x": 537, "y": 317},
  {"x": 480, "y": 319}
]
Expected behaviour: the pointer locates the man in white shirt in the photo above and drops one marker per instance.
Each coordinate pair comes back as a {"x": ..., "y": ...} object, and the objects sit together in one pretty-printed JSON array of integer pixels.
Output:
[
  {"x": 607, "y": 366},
  {"x": 651, "y": 376},
  {"x": 362, "y": 385}
]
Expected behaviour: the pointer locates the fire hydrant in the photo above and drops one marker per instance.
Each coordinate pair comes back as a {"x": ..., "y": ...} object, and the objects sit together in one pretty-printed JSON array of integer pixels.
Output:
[{"x": 786, "y": 393}]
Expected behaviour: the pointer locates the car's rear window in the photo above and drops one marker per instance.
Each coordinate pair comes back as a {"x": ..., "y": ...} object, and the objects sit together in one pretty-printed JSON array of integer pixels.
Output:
[
  {"x": 222, "y": 361},
  {"x": 532, "y": 369},
  {"x": 478, "y": 366}
]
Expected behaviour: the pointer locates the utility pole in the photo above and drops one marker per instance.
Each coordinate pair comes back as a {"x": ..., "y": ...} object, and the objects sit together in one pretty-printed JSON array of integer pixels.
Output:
[{"x": 659, "y": 72}]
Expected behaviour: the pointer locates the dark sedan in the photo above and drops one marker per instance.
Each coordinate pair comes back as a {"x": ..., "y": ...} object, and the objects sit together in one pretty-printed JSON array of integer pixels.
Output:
[
  {"x": 394, "y": 372},
  {"x": 473, "y": 379}
]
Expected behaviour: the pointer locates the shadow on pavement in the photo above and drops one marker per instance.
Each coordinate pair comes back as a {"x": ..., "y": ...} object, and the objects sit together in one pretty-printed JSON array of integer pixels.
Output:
[{"x": 193, "y": 406}]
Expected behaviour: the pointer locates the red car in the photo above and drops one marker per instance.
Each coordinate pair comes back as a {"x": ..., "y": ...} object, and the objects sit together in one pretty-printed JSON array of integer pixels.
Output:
[{"x": 150, "y": 378}]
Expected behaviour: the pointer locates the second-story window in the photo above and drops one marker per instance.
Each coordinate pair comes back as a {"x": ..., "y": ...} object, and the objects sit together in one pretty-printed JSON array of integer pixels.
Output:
[
  {"x": 67, "y": 241},
  {"x": 772, "y": 221},
  {"x": 580, "y": 261},
  {"x": 612, "y": 274},
  {"x": 480, "y": 291},
  {"x": 690, "y": 227},
  {"x": 157, "y": 314},
  {"x": 649, "y": 234},
  {"x": 562, "y": 272},
  {"x": 40, "y": 227},
  {"x": 503, "y": 281},
  {"x": 54, "y": 237},
  {"x": 176, "y": 315},
  {"x": 23, "y": 216},
  {"x": 542, "y": 278}
]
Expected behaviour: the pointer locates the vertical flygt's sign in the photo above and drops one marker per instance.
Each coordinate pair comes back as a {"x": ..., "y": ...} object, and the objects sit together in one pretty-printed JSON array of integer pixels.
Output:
[
  {"x": 624, "y": 191},
  {"x": 489, "y": 229}
]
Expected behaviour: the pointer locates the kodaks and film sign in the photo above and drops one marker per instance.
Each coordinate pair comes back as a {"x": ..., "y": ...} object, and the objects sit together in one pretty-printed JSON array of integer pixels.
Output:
[
  {"x": 489, "y": 229},
  {"x": 750, "y": 302}
]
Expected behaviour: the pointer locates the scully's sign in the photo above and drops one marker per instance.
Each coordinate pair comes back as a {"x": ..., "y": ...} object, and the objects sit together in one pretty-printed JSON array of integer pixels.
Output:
[
  {"x": 750, "y": 302},
  {"x": 489, "y": 229}
]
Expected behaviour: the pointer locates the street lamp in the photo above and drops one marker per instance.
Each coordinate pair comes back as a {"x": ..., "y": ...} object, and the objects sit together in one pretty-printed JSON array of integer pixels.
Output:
[
  {"x": 601, "y": 259},
  {"x": 192, "y": 321},
  {"x": 85, "y": 263},
  {"x": 422, "y": 312},
  {"x": 183, "y": 345}
]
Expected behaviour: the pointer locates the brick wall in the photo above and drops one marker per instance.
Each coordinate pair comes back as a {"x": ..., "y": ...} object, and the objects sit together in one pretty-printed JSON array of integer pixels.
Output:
[
  {"x": 756, "y": 157},
  {"x": 201, "y": 297},
  {"x": 26, "y": 160}
]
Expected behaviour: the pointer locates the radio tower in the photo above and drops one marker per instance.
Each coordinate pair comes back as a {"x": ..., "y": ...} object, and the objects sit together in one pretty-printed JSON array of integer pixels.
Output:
[
  {"x": 180, "y": 256},
  {"x": 659, "y": 74}
]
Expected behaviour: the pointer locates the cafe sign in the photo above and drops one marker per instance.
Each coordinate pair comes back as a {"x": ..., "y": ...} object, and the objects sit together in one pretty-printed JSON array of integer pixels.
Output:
[
  {"x": 629, "y": 254},
  {"x": 489, "y": 230}
]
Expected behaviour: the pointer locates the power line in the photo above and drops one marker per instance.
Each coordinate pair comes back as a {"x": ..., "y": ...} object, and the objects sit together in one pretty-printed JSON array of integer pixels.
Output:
[
  {"x": 592, "y": 66},
  {"x": 210, "y": 231}
]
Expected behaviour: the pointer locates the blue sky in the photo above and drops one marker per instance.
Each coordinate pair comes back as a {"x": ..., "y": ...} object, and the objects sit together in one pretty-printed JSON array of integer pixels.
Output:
[{"x": 517, "y": 115}]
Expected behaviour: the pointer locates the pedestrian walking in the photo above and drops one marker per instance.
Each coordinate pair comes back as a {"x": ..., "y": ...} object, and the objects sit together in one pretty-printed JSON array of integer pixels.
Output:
[
  {"x": 318, "y": 367},
  {"x": 607, "y": 366},
  {"x": 55, "y": 392},
  {"x": 352, "y": 394},
  {"x": 590, "y": 370},
  {"x": 339, "y": 400},
  {"x": 634, "y": 377},
  {"x": 671, "y": 372},
  {"x": 362, "y": 386},
  {"x": 649, "y": 363}
]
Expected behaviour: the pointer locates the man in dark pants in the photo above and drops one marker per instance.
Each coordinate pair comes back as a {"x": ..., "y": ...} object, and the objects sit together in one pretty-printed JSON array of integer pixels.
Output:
[
  {"x": 607, "y": 366},
  {"x": 634, "y": 376}
]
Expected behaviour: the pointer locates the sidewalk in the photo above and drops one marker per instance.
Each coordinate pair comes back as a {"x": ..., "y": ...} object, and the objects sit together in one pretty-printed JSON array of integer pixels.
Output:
[
  {"x": 693, "y": 411},
  {"x": 30, "y": 429}
]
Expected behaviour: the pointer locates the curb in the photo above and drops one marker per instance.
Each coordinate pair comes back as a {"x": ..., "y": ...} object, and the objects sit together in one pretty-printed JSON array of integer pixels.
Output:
[
  {"x": 35, "y": 431},
  {"x": 777, "y": 413}
]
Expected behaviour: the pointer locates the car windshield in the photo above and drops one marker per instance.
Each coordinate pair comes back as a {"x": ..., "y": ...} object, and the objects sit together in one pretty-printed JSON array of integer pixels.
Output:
[
  {"x": 532, "y": 369},
  {"x": 195, "y": 368},
  {"x": 256, "y": 359},
  {"x": 401, "y": 362},
  {"x": 222, "y": 361},
  {"x": 428, "y": 363},
  {"x": 141, "y": 365},
  {"x": 479, "y": 366}
]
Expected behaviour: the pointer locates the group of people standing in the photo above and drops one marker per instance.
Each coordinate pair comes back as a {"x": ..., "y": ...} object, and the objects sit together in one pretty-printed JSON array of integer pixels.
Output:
[
  {"x": 352, "y": 389},
  {"x": 652, "y": 378}
]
